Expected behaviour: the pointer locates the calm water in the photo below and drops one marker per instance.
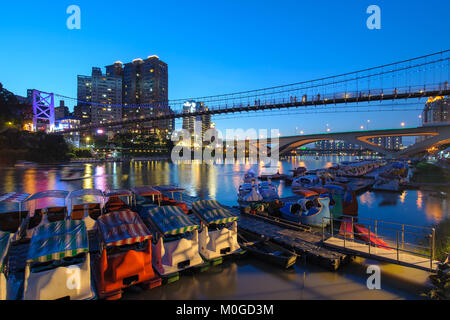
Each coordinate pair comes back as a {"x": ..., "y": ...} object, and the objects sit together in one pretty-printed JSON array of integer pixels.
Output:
[{"x": 249, "y": 279}]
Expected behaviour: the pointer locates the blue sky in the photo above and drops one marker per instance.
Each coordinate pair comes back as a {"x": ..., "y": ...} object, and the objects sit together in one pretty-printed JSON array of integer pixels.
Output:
[{"x": 215, "y": 47}]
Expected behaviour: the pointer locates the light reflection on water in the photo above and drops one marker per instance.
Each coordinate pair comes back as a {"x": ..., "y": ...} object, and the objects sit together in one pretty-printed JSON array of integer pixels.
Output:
[{"x": 246, "y": 279}]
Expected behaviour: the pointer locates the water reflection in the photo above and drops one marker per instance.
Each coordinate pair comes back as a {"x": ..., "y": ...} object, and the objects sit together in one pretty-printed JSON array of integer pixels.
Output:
[
  {"x": 221, "y": 182},
  {"x": 246, "y": 278}
]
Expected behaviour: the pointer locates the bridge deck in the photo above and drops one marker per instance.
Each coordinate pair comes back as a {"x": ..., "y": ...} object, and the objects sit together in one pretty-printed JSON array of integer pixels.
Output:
[{"x": 381, "y": 254}]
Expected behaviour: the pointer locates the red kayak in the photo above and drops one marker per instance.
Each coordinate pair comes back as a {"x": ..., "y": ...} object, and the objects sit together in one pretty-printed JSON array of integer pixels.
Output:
[
  {"x": 346, "y": 229},
  {"x": 363, "y": 234}
]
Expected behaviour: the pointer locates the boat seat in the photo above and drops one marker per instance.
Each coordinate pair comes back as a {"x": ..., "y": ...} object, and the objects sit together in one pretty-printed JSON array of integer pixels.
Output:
[
  {"x": 80, "y": 211},
  {"x": 53, "y": 214},
  {"x": 10, "y": 221}
]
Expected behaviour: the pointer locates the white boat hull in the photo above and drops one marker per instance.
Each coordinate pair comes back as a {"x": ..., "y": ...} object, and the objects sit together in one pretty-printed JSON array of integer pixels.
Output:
[
  {"x": 218, "y": 243},
  {"x": 2, "y": 286},
  {"x": 73, "y": 281},
  {"x": 169, "y": 257}
]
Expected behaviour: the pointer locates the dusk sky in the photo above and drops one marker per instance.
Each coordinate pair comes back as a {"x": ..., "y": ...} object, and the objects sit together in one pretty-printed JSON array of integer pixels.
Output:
[{"x": 215, "y": 47}]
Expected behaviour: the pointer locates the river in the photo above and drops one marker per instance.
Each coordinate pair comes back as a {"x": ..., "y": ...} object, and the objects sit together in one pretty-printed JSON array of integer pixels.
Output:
[{"x": 248, "y": 278}]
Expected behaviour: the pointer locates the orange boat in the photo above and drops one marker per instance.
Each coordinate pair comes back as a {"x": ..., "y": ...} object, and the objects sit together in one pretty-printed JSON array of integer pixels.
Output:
[
  {"x": 305, "y": 193},
  {"x": 346, "y": 228},
  {"x": 126, "y": 255}
]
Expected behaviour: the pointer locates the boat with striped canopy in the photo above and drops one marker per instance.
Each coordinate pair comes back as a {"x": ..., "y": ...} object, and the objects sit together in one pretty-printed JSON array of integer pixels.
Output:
[
  {"x": 5, "y": 240},
  {"x": 176, "y": 241},
  {"x": 56, "y": 249},
  {"x": 126, "y": 255},
  {"x": 218, "y": 235}
]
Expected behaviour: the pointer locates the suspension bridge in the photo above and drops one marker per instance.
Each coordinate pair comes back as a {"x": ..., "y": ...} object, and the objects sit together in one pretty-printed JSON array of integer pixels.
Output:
[{"x": 416, "y": 78}]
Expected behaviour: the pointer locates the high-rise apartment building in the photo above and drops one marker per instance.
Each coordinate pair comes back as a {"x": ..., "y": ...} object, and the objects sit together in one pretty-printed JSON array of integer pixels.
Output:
[
  {"x": 62, "y": 111},
  {"x": 437, "y": 109},
  {"x": 189, "y": 122},
  {"x": 144, "y": 91},
  {"x": 389, "y": 143},
  {"x": 101, "y": 95}
]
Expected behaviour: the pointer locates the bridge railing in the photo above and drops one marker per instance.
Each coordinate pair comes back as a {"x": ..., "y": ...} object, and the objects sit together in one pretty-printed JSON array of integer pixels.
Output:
[{"x": 400, "y": 238}]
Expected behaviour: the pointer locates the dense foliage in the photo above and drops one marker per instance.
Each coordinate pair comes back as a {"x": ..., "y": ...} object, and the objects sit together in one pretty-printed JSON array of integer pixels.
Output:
[
  {"x": 12, "y": 113},
  {"x": 39, "y": 147}
]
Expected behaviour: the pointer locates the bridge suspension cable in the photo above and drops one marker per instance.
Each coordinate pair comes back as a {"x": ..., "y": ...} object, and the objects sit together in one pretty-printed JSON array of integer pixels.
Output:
[{"x": 422, "y": 76}]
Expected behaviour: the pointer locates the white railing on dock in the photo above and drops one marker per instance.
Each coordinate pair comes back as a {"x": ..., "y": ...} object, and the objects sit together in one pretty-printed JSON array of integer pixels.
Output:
[{"x": 395, "y": 236}]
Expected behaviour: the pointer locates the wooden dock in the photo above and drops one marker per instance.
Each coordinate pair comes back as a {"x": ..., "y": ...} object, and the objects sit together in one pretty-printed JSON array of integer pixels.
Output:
[
  {"x": 305, "y": 243},
  {"x": 381, "y": 254}
]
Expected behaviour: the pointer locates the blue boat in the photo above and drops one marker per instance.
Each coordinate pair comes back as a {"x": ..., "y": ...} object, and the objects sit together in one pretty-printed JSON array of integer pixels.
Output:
[{"x": 309, "y": 211}]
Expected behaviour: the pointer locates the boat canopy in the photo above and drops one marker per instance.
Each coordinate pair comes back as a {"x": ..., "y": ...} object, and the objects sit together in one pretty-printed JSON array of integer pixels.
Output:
[
  {"x": 171, "y": 220},
  {"x": 145, "y": 191},
  {"x": 169, "y": 188},
  {"x": 118, "y": 193},
  {"x": 49, "y": 194},
  {"x": 213, "y": 212},
  {"x": 86, "y": 192},
  {"x": 13, "y": 197},
  {"x": 122, "y": 227},
  {"x": 5, "y": 238},
  {"x": 58, "y": 240}
]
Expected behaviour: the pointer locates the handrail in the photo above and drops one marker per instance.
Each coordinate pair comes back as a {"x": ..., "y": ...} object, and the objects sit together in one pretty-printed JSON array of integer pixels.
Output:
[{"x": 399, "y": 241}]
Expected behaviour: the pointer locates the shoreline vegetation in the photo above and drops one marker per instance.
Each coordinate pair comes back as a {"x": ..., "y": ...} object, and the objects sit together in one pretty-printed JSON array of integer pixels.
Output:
[{"x": 38, "y": 147}]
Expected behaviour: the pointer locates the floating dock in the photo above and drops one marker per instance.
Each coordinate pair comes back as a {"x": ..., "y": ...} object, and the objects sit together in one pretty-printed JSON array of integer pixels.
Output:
[{"x": 306, "y": 243}]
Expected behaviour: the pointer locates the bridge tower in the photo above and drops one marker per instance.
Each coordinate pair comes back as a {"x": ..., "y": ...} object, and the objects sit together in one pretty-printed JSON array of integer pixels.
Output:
[{"x": 43, "y": 109}]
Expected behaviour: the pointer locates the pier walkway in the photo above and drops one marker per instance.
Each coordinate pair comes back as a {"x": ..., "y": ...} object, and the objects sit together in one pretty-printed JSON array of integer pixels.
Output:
[
  {"x": 377, "y": 253},
  {"x": 406, "y": 245}
]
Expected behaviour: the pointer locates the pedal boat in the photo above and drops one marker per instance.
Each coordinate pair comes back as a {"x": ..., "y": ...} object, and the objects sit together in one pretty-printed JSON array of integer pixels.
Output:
[
  {"x": 58, "y": 263},
  {"x": 44, "y": 214},
  {"x": 88, "y": 211},
  {"x": 146, "y": 197},
  {"x": 309, "y": 210},
  {"x": 218, "y": 234},
  {"x": 126, "y": 255},
  {"x": 169, "y": 193},
  {"x": 175, "y": 245},
  {"x": 115, "y": 200},
  {"x": 14, "y": 221},
  {"x": 268, "y": 191}
]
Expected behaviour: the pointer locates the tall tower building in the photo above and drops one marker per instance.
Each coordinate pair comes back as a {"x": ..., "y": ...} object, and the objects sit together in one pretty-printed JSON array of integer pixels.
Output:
[
  {"x": 144, "y": 91},
  {"x": 189, "y": 122},
  {"x": 103, "y": 96}
]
